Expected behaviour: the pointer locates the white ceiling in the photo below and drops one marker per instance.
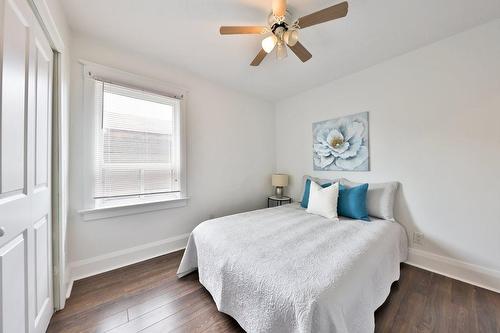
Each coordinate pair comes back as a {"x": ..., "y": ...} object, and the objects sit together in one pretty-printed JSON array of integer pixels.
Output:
[{"x": 185, "y": 33}]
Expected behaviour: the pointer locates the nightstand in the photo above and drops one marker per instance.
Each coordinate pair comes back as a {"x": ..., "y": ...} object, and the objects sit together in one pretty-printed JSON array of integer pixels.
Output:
[{"x": 278, "y": 201}]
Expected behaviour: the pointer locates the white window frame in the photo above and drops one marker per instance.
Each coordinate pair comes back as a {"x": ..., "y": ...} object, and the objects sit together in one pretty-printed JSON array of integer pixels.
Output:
[{"x": 92, "y": 209}]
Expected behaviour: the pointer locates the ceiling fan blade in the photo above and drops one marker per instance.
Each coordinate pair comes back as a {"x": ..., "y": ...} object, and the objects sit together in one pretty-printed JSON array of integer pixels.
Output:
[
  {"x": 254, "y": 30},
  {"x": 301, "y": 52},
  {"x": 258, "y": 59},
  {"x": 279, "y": 7},
  {"x": 324, "y": 15}
]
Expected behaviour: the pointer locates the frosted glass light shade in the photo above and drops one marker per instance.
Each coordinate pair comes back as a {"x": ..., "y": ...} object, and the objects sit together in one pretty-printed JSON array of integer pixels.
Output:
[
  {"x": 281, "y": 51},
  {"x": 291, "y": 37},
  {"x": 280, "y": 180},
  {"x": 269, "y": 43}
]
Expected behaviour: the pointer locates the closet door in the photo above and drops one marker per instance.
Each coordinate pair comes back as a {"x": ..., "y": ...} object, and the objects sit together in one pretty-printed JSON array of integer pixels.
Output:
[{"x": 25, "y": 147}]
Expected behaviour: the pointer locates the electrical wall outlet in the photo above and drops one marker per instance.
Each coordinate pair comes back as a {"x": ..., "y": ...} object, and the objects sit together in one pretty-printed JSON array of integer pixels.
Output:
[{"x": 418, "y": 238}]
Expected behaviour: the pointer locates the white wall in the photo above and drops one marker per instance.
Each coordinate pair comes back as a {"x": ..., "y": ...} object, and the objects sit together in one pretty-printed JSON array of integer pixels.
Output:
[
  {"x": 434, "y": 127},
  {"x": 230, "y": 158}
]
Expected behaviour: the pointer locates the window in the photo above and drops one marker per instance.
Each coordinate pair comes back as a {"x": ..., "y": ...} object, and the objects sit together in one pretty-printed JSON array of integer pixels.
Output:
[{"x": 135, "y": 145}]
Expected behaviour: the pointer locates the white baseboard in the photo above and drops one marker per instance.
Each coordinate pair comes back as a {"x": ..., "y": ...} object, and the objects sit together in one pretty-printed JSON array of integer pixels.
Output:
[
  {"x": 109, "y": 261},
  {"x": 477, "y": 275}
]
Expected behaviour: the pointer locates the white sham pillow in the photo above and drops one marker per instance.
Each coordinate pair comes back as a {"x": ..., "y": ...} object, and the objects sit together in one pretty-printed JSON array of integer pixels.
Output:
[
  {"x": 379, "y": 198},
  {"x": 323, "y": 201}
]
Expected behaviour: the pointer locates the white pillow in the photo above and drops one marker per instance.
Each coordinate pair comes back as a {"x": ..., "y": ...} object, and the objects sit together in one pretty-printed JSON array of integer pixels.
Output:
[
  {"x": 317, "y": 180},
  {"x": 379, "y": 198},
  {"x": 323, "y": 201}
]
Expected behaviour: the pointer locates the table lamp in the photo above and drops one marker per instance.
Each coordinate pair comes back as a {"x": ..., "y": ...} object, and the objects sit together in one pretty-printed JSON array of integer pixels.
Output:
[{"x": 279, "y": 181}]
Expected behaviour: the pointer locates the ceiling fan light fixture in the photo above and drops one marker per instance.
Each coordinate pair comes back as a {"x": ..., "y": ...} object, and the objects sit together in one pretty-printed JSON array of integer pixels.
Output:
[
  {"x": 281, "y": 52},
  {"x": 291, "y": 37},
  {"x": 269, "y": 43}
]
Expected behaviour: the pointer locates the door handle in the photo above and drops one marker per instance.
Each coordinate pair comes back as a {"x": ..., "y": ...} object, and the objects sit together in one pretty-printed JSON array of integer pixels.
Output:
[{"x": 2, "y": 231}]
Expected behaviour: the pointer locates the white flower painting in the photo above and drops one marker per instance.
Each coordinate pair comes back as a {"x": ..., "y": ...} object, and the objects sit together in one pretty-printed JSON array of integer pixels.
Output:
[{"x": 341, "y": 144}]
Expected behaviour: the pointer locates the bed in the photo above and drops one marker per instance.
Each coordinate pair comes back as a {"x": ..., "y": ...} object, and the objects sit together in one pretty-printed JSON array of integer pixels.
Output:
[{"x": 284, "y": 270}]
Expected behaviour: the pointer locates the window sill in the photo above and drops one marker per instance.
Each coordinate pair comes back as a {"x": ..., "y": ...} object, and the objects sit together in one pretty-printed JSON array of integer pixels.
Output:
[{"x": 131, "y": 209}]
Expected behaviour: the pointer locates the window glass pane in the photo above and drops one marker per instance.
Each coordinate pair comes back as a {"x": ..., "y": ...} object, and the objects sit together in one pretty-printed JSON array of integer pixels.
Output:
[
  {"x": 119, "y": 182},
  {"x": 136, "y": 147},
  {"x": 134, "y": 114},
  {"x": 157, "y": 180}
]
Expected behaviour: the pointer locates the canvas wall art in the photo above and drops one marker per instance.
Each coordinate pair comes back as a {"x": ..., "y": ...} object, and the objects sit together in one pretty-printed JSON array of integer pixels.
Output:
[{"x": 341, "y": 144}]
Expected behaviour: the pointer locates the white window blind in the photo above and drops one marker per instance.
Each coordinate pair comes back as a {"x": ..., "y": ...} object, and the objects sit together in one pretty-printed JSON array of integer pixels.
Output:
[{"x": 137, "y": 143}]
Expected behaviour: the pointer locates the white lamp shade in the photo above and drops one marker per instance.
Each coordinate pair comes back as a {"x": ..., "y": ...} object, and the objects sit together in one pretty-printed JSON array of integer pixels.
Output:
[
  {"x": 280, "y": 180},
  {"x": 269, "y": 43}
]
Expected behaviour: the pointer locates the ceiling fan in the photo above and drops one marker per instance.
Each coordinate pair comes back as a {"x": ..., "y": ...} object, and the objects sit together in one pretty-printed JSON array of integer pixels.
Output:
[{"x": 284, "y": 31}]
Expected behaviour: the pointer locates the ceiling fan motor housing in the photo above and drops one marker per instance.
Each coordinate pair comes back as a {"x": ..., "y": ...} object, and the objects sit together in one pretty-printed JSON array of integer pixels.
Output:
[
  {"x": 283, "y": 21},
  {"x": 280, "y": 28}
]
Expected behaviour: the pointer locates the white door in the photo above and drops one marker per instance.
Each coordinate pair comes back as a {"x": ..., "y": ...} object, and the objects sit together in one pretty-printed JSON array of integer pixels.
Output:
[{"x": 25, "y": 148}]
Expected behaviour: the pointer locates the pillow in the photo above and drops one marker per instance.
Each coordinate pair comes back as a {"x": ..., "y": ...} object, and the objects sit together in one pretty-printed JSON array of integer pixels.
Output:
[
  {"x": 352, "y": 202},
  {"x": 379, "y": 198},
  {"x": 307, "y": 189},
  {"x": 323, "y": 201},
  {"x": 317, "y": 180}
]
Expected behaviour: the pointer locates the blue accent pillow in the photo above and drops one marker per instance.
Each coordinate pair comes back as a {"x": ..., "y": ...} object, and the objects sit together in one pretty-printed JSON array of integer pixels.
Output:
[
  {"x": 307, "y": 188},
  {"x": 352, "y": 202}
]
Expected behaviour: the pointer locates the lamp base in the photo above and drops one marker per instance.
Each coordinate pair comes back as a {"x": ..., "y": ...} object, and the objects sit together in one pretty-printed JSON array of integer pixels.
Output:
[{"x": 279, "y": 192}]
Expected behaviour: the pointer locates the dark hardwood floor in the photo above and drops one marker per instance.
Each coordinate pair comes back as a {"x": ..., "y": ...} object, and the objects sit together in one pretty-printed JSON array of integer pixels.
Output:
[{"x": 148, "y": 297}]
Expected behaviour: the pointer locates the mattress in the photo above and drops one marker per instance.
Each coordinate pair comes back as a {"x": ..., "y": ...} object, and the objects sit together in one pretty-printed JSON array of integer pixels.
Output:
[{"x": 284, "y": 270}]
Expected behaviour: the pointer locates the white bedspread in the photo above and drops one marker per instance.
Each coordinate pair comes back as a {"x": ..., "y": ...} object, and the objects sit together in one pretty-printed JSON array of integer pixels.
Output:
[{"x": 284, "y": 270}]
